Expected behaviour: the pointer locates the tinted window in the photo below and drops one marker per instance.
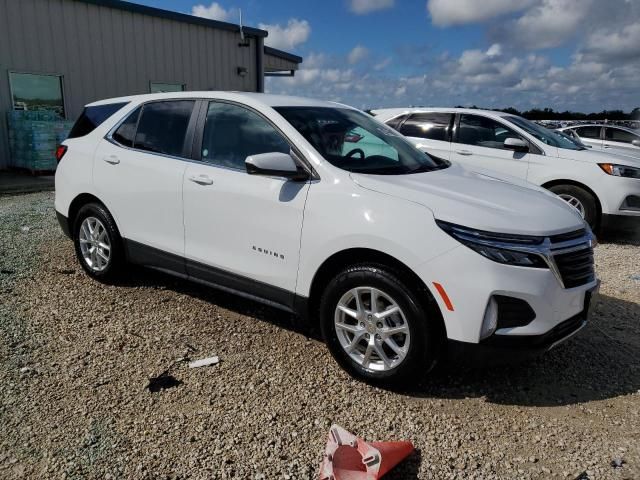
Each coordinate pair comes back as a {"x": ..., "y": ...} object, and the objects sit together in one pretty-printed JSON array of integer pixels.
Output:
[
  {"x": 543, "y": 134},
  {"x": 93, "y": 117},
  {"x": 483, "y": 132},
  {"x": 434, "y": 126},
  {"x": 588, "y": 132},
  {"x": 126, "y": 132},
  {"x": 163, "y": 126},
  {"x": 617, "y": 135},
  {"x": 232, "y": 133},
  {"x": 354, "y": 141}
]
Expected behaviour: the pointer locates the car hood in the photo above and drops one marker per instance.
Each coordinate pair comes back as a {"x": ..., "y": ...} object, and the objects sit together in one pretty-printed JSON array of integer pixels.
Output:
[
  {"x": 482, "y": 200},
  {"x": 599, "y": 156}
]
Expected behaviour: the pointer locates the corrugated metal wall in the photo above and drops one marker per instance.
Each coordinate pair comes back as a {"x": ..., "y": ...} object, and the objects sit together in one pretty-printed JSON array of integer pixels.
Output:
[
  {"x": 105, "y": 52},
  {"x": 276, "y": 64}
]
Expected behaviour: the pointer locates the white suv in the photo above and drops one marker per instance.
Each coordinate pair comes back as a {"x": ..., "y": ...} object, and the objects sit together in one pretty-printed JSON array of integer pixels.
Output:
[
  {"x": 603, "y": 187},
  {"x": 391, "y": 251}
]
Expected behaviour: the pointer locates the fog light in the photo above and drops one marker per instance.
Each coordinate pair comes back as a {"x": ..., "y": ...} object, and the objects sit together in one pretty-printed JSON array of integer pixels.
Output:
[{"x": 490, "y": 321}]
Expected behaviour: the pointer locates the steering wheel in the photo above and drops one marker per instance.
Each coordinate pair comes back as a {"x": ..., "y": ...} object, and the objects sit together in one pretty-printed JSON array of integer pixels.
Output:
[{"x": 354, "y": 151}]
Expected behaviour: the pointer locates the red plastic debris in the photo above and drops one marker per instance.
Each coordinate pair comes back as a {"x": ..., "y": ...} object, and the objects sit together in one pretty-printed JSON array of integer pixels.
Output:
[{"x": 347, "y": 457}]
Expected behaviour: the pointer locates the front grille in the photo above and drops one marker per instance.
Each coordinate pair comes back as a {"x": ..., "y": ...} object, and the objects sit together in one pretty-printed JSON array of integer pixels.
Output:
[
  {"x": 576, "y": 268},
  {"x": 565, "y": 237}
]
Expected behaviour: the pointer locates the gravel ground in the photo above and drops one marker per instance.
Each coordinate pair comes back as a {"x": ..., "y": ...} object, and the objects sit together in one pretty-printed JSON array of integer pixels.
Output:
[{"x": 76, "y": 358}]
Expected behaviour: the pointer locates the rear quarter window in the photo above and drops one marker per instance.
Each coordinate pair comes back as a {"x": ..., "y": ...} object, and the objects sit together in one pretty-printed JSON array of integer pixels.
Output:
[{"x": 93, "y": 117}]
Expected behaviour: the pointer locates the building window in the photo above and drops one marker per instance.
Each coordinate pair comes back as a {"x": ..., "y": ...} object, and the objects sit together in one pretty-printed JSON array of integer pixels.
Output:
[
  {"x": 32, "y": 91},
  {"x": 156, "y": 87}
]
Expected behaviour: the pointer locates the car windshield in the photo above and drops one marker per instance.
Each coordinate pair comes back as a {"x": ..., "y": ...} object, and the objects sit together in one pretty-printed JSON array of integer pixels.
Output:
[
  {"x": 543, "y": 134},
  {"x": 575, "y": 140},
  {"x": 354, "y": 141}
]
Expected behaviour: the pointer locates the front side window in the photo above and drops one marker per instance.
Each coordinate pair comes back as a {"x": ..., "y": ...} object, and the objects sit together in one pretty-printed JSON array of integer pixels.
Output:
[
  {"x": 619, "y": 135},
  {"x": 588, "y": 132},
  {"x": 353, "y": 141},
  {"x": 92, "y": 117},
  {"x": 232, "y": 133},
  {"x": 432, "y": 126},
  {"x": 37, "y": 92},
  {"x": 162, "y": 127},
  {"x": 543, "y": 134},
  {"x": 157, "y": 87},
  {"x": 484, "y": 132}
]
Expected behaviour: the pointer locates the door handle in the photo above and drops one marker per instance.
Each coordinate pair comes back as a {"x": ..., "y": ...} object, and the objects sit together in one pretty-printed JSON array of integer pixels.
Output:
[
  {"x": 464, "y": 152},
  {"x": 112, "y": 159},
  {"x": 201, "y": 179}
]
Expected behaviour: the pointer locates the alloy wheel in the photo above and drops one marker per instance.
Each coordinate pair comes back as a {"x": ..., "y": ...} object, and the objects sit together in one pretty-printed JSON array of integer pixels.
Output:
[
  {"x": 372, "y": 328},
  {"x": 574, "y": 202},
  {"x": 95, "y": 244}
]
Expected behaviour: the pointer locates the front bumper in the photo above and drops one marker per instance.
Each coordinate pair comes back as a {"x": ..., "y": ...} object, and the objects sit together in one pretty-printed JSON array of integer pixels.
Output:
[{"x": 507, "y": 349}]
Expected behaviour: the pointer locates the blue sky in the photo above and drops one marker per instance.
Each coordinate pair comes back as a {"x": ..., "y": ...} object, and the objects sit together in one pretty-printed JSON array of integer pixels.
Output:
[{"x": 565, "y": 54}]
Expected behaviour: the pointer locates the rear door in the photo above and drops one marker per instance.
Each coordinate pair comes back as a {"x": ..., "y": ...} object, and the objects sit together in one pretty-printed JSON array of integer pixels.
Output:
[
  {"x": 430, "y": 132},
  {"x": 242, "y": 231},
  {"x": 479, "y": 142},
  {"x": 138, "y": 174}
]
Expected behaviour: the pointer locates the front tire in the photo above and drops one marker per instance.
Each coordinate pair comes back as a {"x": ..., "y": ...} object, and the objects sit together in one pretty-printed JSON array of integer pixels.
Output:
[
  {"x": 377, "y": 328},
  {"x": 97, "y": 243},
  {"x": 581, "y": 200}
]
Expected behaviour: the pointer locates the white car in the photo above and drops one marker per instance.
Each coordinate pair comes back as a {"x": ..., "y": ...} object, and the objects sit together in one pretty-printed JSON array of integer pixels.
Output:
[
  {"x": 604, "y": 188},
  {"x": 607, "y": 137},
  {"x": 393, "y": 253}
]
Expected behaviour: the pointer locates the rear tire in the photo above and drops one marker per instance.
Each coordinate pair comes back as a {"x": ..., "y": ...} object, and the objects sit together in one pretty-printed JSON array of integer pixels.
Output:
[
  {"x": 581, "y": 200},
  {"x": 97, "y": 243},
  {"x": 360, "y": 336}
]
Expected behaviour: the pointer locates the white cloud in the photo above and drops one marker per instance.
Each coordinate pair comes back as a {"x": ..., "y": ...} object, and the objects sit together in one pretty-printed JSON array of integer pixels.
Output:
[
  {"x": 621, "y": 43},
  {"x": 358, "y": 54},
  {"x": 362, "y": 7},
  {"x": 494, "y": 50},
  {"x": 382, "y": 64},
  {"x": 549, "y": 23},
  {"x": 214, "y": 12},
  {"x": 457, "y": 12},
  {"x": 287, "y": 37}
]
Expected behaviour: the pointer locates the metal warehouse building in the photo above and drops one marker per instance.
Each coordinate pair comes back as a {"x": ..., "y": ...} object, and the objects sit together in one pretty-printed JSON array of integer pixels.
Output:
[{"x": 58, "y": 55}]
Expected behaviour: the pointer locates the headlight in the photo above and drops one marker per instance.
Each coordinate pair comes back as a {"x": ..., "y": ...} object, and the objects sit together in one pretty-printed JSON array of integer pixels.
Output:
[
  {"x": 620, "y": 170},
  {"x": 499, "y": 247}
]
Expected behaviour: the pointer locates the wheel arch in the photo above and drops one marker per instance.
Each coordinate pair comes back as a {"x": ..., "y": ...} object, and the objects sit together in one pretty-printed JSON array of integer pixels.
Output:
[
  {"x": 554, "y": 183},
  {"x": 81, "y": 200},
  {"x": 353, "y": 256}
]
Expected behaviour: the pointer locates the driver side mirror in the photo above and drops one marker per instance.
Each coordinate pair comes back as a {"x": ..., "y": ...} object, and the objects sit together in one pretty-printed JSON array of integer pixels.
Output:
[
  {"x": 516, "y": 144},
  {"x": 275, "y": 164},
  {"x": 636, "y": 143}
]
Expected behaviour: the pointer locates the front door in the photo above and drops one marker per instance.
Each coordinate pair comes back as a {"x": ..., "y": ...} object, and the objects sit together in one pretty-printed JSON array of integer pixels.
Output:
[
  {"x": 479, "y": 143},
  {"x": 242, "y": 231}
]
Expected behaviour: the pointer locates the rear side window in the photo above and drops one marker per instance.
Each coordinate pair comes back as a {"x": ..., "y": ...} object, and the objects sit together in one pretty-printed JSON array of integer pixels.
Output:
[
  {"x": 588, "y": 132},
  {"x": 126, "y": 132},
  {"x": 93, "y": 117},
  {"x": 433, "y": 126},
  {"x": 162, "y": 127}
]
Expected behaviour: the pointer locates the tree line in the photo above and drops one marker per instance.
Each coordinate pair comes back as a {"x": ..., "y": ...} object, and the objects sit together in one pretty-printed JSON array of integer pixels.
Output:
[{"x": 551, "y": 114}]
